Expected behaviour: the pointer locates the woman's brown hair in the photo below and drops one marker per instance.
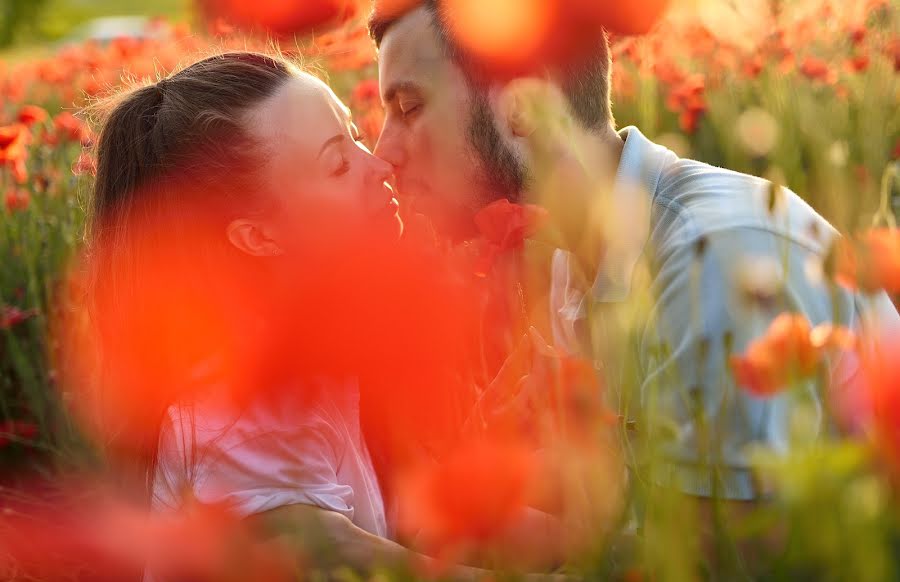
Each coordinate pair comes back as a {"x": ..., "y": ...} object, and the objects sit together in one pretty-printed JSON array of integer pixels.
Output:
[{"x": 176, "y": 160}]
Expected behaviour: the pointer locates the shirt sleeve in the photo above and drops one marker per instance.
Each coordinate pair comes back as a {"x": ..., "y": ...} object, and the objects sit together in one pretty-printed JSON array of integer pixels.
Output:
[
  {"x": 703, "y": 313},
  {"x": 253, "y": 472}
]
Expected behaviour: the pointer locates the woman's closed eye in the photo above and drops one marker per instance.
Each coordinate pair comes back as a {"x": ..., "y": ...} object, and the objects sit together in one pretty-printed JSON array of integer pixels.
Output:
[{"x": 341, "y": 165}]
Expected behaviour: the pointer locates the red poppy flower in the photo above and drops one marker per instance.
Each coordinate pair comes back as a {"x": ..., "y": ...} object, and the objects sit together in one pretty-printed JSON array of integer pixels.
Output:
[
  {"x": 283, "y": 18},
  {"x": 17, "y": 200},
  {"x": 505, "y": 226},
  {"x": 77, "y": 525},
  {"x": 16, "y": 429},
  {"x": 627, "y": 18},
  {"x": 472, "y": 496},
  {"x": 827, "y": 336},
  {"x": 770, "y": 362},
  {"x": 858, "y": 63},
  {"x": 85, "y": 165},
  {"x": 11, "y": 316},
  {"x": 892, "y": 52},
  {"x": 753, "y": 66},
  {"x": 366, "y": 91},
  {"x": 689, "y": 121},
  {"x": 872, "y": 261},
  {"x": 882, "y": 377},
  {"x": 13, "y": 143},
  {"x": 818, "y": 70},
  {"x": 391, "y": 9},
  {"x": 688, "y": 99},
  {"x": 509, "y": 38},
  {"x": 70, "y": 128},
  {"x": 31, "y": 114}
]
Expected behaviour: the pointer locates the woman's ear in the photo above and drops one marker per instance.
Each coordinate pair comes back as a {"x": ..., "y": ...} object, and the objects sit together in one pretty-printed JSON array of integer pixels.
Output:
[
  {"x": 510, "y": 109},
  {"x": 253, "y": 238}
]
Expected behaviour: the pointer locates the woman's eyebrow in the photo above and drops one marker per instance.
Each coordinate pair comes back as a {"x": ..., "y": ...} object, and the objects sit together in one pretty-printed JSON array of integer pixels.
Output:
[{"x": 331, "y": 140}]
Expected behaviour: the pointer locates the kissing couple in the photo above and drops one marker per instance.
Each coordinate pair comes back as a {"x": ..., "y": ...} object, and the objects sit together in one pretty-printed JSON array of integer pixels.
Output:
[{"x": 252, "y": 281}]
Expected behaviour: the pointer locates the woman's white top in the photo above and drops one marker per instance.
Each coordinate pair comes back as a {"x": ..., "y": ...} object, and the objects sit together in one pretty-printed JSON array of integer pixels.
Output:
[{"x": 301, "y": 445}]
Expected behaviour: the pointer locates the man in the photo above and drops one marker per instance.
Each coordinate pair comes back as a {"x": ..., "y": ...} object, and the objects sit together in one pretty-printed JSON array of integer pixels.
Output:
[{"x": 702, "y": 232}]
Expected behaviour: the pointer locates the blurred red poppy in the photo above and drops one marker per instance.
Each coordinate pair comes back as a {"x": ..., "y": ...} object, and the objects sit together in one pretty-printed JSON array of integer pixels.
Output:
[
  {"x": 390, "y": 9},
  {"x": 282, "y": 18},
  {"x": 76, "y": 528},
  {"x": 70, "y": 128},
  {"x": 892, "y": 52},
  {"x": 85, "y": 165},
  {"x": 15, "y": 430},
  {"x": 827, "y": 336},
  {"x": 17, "y": 200},
  {"x": 784, "y": 353},
  {"x": 14, "y": 140},
  {"x": 624, "y": 18},
  {"x": 11, "y": 316},
  {"x": 857, "y": 33},
  {"x": 859, "y": 63},
  {"x": 871, "y": 261},
  {"x": 818, "y": 70},
  {"x": 505, "y": 226},
  {"x": 31, "y": 114},
  {"x": 472, "y": 496},
  {"x": 509, "y": 38},
  {"x": 688, "y": 99},
  {"x": 882, "y": 376}
]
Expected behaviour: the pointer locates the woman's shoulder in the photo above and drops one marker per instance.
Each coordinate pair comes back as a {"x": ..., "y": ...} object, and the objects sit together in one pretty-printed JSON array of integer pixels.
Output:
[{"x": 319, "y": 409}]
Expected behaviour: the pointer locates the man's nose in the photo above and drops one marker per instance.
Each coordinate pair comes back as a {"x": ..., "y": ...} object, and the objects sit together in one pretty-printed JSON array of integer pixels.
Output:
[{"x": 390, "y": 146}]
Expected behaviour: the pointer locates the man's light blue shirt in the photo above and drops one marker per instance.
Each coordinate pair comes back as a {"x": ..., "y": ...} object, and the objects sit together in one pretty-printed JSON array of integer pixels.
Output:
[{"x": 711, "y": 234}]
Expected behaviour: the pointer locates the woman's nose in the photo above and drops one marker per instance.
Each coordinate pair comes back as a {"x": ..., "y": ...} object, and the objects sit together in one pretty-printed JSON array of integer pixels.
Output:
[{"x": 380, "y": 170}]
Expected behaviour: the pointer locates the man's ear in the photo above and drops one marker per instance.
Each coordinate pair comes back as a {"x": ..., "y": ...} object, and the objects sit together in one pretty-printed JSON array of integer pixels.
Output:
[{"x": 253, "y": 238}]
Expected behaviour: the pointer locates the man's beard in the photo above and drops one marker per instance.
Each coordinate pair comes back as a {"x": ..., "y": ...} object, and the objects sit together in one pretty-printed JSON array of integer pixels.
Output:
[{"x": 500, "y": 172}]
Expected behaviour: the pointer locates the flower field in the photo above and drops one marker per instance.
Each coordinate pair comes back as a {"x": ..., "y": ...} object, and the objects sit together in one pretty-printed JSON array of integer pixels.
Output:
[{"x": 805, "y": 94}]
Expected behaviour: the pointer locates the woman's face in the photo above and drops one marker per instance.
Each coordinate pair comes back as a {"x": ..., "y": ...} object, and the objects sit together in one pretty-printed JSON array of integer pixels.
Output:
[{"x": 329, "y": 189}]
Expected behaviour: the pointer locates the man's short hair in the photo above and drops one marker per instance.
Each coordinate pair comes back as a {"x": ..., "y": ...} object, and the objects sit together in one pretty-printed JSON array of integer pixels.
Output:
[{"x": 586, "y": 85}]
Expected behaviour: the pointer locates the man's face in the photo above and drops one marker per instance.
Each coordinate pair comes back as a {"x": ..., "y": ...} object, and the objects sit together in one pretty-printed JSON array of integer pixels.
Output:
[{"x": 440, "y": 136}]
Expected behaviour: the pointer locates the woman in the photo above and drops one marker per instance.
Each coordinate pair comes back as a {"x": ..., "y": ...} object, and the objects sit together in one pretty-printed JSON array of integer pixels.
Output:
[
  {"x": 232, "y": 213},
  {"x": 213, "y": 186}
]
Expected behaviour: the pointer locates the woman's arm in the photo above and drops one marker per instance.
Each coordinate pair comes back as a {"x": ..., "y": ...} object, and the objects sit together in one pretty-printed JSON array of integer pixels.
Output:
[
  {"x": 329, "y": 539},
  {"x": 322, "y": 538}
]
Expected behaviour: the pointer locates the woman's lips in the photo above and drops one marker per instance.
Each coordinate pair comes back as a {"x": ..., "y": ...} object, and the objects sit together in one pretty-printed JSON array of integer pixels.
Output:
[{"x": 391, "y": 208}]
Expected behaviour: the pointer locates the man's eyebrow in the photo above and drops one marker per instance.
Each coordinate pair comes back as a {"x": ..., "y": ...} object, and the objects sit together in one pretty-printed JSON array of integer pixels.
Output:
[
  {"x": 399, "y": 86},
  {"x": 331, "y": 140}
]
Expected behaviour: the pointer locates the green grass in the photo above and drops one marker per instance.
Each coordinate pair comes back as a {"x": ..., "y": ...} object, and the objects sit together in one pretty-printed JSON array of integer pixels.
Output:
[{"x": 62, "y": 18}]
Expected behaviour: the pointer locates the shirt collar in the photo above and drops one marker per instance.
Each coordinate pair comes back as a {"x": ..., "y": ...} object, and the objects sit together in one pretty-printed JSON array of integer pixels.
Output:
[{"x": 635, "y": 185}]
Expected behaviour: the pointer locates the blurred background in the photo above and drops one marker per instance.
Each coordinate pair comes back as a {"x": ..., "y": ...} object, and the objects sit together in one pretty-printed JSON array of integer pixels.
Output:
[{"x": 27, "y": 25}]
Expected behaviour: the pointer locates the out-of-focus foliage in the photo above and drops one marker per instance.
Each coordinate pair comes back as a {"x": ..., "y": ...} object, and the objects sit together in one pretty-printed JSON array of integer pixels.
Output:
[{"x": 17, "y": 16}]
